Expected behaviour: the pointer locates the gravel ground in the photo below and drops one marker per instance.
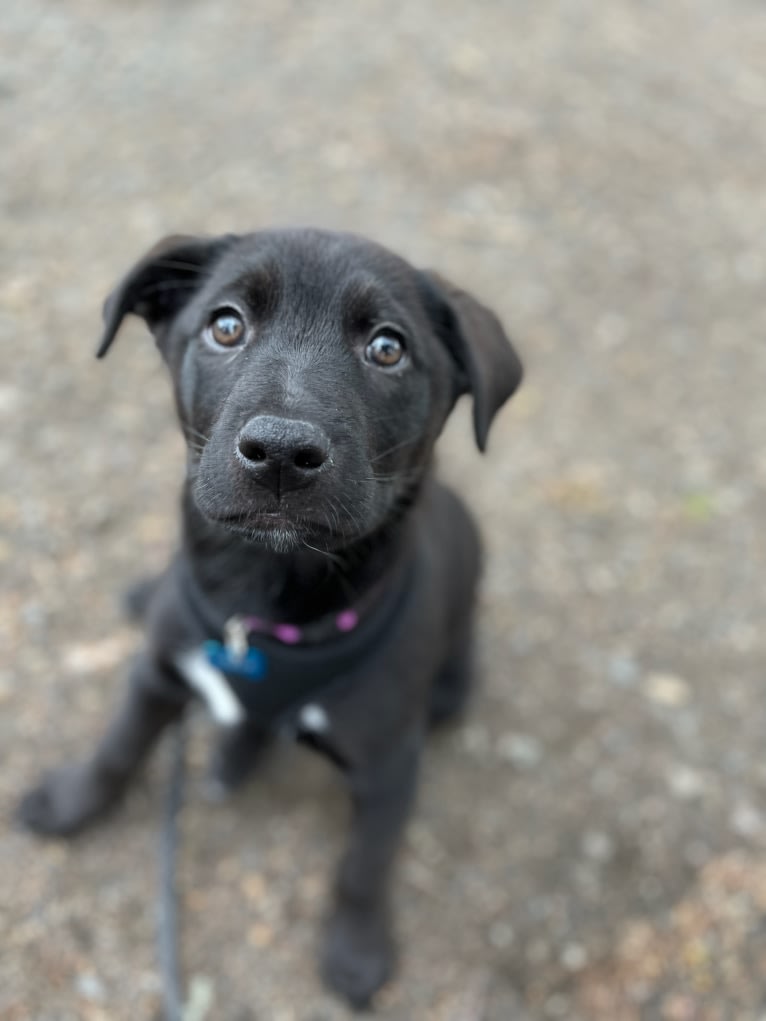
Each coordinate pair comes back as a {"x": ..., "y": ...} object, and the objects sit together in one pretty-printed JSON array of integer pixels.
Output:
[{"x": 591, "y": 843}]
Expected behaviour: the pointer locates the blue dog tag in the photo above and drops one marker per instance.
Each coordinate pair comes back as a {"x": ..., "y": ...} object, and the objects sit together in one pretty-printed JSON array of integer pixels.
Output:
[{"x": 253, "y": 664}]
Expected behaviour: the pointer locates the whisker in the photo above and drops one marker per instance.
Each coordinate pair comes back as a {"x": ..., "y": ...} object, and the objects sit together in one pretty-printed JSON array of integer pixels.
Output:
[
  {"x": 332, "y": 557},
  {"x": 195, "y": 432},
  {"x": 396, "y": 446},
  {"x": 405, "y": 476}
]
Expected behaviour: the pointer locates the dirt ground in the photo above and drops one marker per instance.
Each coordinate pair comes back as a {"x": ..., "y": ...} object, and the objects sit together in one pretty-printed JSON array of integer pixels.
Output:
[{"x": 591, "y": 843}]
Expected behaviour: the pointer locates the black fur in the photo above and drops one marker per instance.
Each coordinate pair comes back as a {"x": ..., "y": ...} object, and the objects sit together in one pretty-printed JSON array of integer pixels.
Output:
[{"x": 342, "y": 500}]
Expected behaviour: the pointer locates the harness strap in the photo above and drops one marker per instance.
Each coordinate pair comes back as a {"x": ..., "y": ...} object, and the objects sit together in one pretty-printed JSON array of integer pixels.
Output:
[{"x": 269, "y": 679}]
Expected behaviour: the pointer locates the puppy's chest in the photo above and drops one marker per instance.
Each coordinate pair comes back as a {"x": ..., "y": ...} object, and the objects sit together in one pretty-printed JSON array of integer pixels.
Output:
[{"x": 269, "y": 672}]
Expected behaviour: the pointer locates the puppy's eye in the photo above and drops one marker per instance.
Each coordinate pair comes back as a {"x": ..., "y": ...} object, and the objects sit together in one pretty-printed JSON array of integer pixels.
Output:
[
  {"x": 227, "y": 328},
  {"x": 385, "y": 350}
]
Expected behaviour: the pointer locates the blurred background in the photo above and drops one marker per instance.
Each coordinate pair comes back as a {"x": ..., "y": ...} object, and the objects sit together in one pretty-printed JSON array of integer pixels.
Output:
[{"x": 591, "y": 843}]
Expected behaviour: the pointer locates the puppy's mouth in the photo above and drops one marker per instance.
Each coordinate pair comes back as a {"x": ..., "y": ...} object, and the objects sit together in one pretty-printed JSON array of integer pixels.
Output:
[
  {"x": 265, "y": 521},
  {"x": 278, "y": 530},
  {"x": 328, "y": 521}
]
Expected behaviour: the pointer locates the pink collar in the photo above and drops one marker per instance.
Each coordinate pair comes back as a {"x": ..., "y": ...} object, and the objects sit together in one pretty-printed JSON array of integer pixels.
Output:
[{"x": 239, "y": 628}]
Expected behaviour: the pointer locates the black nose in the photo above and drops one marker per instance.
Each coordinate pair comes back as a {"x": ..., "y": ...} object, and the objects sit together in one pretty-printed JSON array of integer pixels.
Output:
[{"x": 282, "y": 453}]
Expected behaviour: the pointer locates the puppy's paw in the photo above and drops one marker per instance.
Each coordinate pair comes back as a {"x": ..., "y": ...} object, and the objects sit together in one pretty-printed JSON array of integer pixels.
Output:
[
  {"x": 67, "y": 800},
  {"x": 357, "y": 955}
]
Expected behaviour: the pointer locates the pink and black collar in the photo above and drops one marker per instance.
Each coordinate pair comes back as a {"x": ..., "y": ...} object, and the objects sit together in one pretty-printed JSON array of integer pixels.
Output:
[{"x": 239, "y": 628}]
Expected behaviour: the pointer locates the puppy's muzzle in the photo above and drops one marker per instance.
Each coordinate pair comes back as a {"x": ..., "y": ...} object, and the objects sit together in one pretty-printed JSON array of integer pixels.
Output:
[{"x": 282, "y": 454}]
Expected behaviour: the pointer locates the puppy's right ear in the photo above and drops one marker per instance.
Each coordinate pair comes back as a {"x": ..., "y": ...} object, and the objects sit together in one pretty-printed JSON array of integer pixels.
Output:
[
  {"x": 486, "y": 361},
  {"x": 160, "y": 283}
]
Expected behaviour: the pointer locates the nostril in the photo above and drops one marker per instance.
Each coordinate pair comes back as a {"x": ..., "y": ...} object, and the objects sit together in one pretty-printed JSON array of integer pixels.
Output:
[
  {"x": 309, "y": 458},
  {"x": 251, "y": 450}
]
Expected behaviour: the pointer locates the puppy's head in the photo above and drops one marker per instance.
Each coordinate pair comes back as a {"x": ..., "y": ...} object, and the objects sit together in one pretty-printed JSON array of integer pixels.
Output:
[{"x": 312, "y": 374}]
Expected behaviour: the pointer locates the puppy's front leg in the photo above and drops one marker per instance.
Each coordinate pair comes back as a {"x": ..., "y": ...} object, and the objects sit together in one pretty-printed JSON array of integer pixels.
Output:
[
  {"x": 69, "y": 798},
  {"x": 358, "y": 950}
]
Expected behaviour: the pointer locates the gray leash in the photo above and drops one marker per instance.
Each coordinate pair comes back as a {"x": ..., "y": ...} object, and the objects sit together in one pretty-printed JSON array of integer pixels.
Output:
[{"x": 168, "y": 908}]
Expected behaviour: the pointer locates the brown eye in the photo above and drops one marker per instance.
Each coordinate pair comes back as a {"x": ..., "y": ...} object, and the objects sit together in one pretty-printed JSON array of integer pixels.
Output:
[
  {"x": 385, "y": 350},
  {"x": 227, "y": 328}
]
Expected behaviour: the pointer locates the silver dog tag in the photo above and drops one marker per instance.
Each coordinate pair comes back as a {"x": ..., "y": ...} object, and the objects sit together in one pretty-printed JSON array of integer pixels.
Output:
[{"x": 235, "y": 637}]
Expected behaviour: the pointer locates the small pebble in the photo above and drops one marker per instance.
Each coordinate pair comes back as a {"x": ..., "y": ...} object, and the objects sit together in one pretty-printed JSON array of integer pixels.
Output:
[
  {"x": 747, "y": 821},
  {"x": 598, "y": 846},
  {"x": 679, "y": 1007},
  {"x": 260, "y": 935},
  {"x": 623, "y": 671},
  {"x": 253, "y": 886},
  {"x": 521, "y": 750},
  {"x": 90, "y": 987},
  {"x": 10, "y": 399},
  {"x": 667, "y": 689},
  {"x": 200, "y": 998},
  {"x": 501, "y": 935},
  {"x": 92, "y": 657},
  {"x": 574, "y": 957},
  {"x": 686, "y": 783}
]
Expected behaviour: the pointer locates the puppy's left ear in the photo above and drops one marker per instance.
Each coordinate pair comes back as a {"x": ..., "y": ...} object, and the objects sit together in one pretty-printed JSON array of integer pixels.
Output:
[
  {"x": 160, "y": 283},
  {"x": 487, "y": 365}
]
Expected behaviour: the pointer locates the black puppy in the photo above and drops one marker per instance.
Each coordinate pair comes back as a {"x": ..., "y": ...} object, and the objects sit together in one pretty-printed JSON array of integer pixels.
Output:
[{"x": 325, "y": 582}]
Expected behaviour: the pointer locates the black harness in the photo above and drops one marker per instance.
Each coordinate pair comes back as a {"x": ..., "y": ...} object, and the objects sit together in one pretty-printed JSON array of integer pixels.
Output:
[{"x": 271, "y": 679}]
